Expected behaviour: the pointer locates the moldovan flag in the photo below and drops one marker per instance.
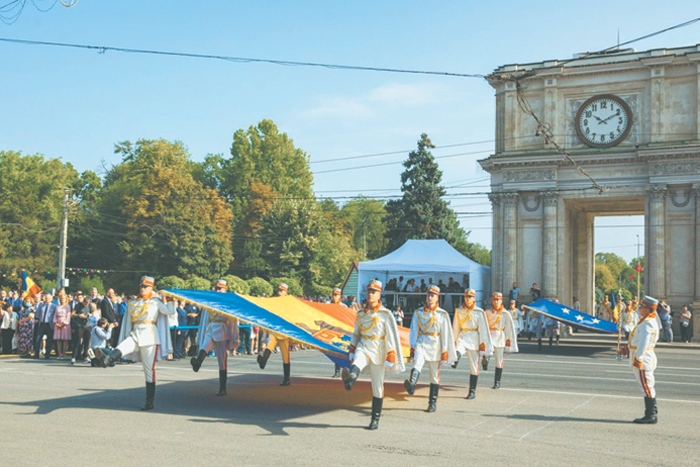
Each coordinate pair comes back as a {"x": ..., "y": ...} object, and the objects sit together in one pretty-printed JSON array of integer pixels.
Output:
[{"x": 29, "y": 287}]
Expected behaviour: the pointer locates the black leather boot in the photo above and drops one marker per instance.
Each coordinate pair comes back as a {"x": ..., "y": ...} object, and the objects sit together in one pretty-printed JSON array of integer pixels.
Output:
[
  {"x": 376, "y": 413},
  {"x": 350, "y": 376},
  {"x": 150, "y": 395},
  {"x": 410, "y": 383},
  {"x": 497, "y": 380},
  {"x": 262, "y": 359},
  {"x": 473, "y": 379},
  {"x": 484, "y": 363},
  {"x": 459, "y": 355},
  {"x": 650, "y": 411},
  {"x": 222, "y": 383},
  {"x": 287, "y": 367},
  {"x": 106, "y": 357},
  {"x": 336, "y": 374},
  {"x": 432, "y": 398},
  {"x": 539, "y": 343},
  {"x": 197, "y": 361}
]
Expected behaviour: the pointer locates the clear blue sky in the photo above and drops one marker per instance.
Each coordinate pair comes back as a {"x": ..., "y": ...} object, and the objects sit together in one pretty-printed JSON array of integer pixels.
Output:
[{"x": 76, "y": 104}]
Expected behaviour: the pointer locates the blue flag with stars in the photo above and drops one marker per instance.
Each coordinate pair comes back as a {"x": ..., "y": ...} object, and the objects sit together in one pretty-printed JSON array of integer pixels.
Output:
[{"x": 575, "y": 318}]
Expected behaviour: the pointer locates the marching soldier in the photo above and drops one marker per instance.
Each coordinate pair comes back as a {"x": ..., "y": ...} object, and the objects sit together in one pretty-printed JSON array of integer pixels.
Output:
[
  {"x": 144, "y": 329},
  {"x": 219, "y": 333},
  {"x": 374, "y": 347},
  {"x": 283, "y": 343},
  {"x": 335, "y": 298},
  {"x": 628, "y": 318},
  {"x": 517, "y": 315},
  {"x": 642, "y": 357},
  {"x": 472, "y": 336},
  {"x": 432, "y": 342},
  {"x": 503, "y": 335}
]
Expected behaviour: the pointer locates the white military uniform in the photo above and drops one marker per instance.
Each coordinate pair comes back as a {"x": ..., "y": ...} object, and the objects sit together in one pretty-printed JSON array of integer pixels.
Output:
[
  {"x": 642, "y": 357},
  {"x": 375, "y": 346},
  {"x": 144, "y": 330},
  {"x": 432, "y": 340},
  {"x": 503, "y": 334},
  {"x": 472, "y": 335},
  {"x": 220, "y": 333},
  {"x": 628, "y": 319},
  {"x": 517, "y": 315}
]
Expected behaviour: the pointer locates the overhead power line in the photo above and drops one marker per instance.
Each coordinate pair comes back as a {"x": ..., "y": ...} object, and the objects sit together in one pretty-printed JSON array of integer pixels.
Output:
[{"x": 332, "y": 66}]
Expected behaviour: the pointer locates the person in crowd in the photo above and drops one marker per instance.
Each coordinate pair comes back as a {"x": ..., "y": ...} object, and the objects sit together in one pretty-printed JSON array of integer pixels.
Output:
[
  {"x": 108, "y": 307},
  {"x": 686, "y": 330},
  {"x": 101, "y": 333},
  {"x": 605, "y": 309},
  {"x": 16, "y": 302},
  {"x": 95, "y": 296},
  {"x": 503, "y": 335},
  {"x": 628, "y": 319},
  {"x": 244, "y": 330},
  {"x": 180, "y": 334},
  {"x": 472, "y": 336},
  {"x": 514, "y": 293},
  {"x": 143, "y": 330},
  {"x": 535, "y": 292},
  {"x": 79, "y": 323},
  {"x": 374, "y": 346},
  {"x": 553, "y": 328},
  {"x": 423, "y": 286},
  {"x": 536, "y": 326},
  {"x": 432, "y": 343},
  {"x": 44, "y": 316},
  {"x": 10, "y": 323},
  {"x": 666, "y": 317},
  {"x": 254, "y": 332},
  {"x": 643, "y": 358},
  {"x": 277, "y": 339},
  {"x": 577, "y": 304},
  {"x": 25, "y": 339},
  {"x": 61, "y": 321},
  {"x": 219, "y": 332},
  {"x": 517, "y": 315},
  {"x": 398, "y": 315},
  {"x": 193, "y": 322}
]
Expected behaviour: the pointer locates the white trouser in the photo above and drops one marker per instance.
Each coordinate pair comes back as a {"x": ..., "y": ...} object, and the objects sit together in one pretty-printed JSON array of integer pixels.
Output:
[
  {"x": 434, "y": 367},
  {"x": 473, "y": 358},
  {"x": 498, "y": 353},
  {"x": 645, "y": 379},
  {"x": 219, "y": 348},
  {"x": 376, "y": 373},
  {"x": 148, "y": 354}
]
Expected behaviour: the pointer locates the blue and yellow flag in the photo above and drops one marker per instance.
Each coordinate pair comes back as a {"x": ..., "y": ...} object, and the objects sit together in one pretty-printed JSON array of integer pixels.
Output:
[
  {"x": 29, "y": 287},
  {"x": 568, "y": 315}
]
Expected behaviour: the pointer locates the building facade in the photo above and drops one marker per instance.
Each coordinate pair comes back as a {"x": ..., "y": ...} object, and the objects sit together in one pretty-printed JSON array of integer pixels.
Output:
[{"x": 631, "y": 122}]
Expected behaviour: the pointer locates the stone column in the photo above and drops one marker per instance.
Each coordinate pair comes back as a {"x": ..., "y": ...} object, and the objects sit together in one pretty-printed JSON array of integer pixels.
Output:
[
  {"x": 549, "y": 245},
  {"x": 510, "y": 241},
  {"x": 496, "y": 252},
  {"x": 656, "y": 262}
]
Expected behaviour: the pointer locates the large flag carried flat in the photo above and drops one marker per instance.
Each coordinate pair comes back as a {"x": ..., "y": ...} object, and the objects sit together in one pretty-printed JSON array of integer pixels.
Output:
[
  {"x": 29, "y": 287},
  {"x": 326, "y": 327},
  {"x": 572, "y": 317}
]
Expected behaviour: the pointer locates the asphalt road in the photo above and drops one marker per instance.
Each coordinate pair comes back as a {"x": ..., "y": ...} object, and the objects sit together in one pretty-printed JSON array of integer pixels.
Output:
[{"x": 564, "y": 405}]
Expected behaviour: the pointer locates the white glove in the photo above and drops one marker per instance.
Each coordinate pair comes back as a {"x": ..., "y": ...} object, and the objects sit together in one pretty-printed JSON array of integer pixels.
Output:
[{"x": 388, "y": 365}]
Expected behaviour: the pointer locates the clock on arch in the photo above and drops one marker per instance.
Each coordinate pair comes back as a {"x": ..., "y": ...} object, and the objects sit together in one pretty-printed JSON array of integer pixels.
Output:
[{"x": 603, "y": 121}]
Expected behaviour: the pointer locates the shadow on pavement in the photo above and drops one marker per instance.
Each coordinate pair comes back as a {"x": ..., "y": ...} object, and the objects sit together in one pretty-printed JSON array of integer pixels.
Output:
[{"x": 554, "y": 418}]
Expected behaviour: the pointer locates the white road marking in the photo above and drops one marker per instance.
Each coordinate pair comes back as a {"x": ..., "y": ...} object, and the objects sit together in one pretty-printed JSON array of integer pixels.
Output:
[
  {"x": 618, "y": 364},
  {"x": 555, "y": 419},
  {"x": 626, "y": 380},
  {"x": 614, "y": 396}
]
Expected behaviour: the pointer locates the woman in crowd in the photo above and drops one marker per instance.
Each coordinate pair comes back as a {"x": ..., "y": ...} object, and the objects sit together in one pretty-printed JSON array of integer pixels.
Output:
[
  {"x": 9, "y": 326},
  {"x": 25, "y": 339},
  {"x": 61, "y": 319}
]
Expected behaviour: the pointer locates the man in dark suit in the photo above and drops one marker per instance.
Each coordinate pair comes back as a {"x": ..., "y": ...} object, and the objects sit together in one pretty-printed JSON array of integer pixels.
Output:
[
  {"x": 107, "y": 307},
  {"x": 44, "y": 316}
]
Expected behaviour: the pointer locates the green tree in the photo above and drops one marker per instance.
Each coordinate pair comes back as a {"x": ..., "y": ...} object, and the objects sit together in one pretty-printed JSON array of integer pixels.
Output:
[
  {"x": 236, "y": 284},
  {"x": 294, "y": 287},
  {"x": 369, "y": 231},
  {"x": 172, "y": 282},
  {"x": 260, "y": 287},
  {"x": 421, "y": 213},
  {"x": 604, "y": 279},
  {"x": 334, "y": 257},
  {"x": 197, "y": 283}
]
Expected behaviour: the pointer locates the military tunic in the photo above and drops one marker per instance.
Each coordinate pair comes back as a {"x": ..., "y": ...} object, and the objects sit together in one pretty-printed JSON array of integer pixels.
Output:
[
  {"x": 642, "y": 356},
  {"x": 503, "y": 334},
  {"x": 472, "y": 336},
  {"x": 432, "y": 340}
]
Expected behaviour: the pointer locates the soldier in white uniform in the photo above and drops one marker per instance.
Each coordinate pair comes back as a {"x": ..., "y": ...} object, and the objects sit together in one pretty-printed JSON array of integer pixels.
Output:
[
  {"x": 278, "y": 340},
  {"x": 642, "y": 357},
  {"x": 375, "y": 347},
  {"x": 628, "y": 319},
  {"x": 517, "y": 315},
  {"x": 503, "y": 335},
  {"x": 144, "y": 328},
  {"x": 432, "y": 342},
  {"x": 219, "y": 333},
  {"x": 472, "y": 336}
]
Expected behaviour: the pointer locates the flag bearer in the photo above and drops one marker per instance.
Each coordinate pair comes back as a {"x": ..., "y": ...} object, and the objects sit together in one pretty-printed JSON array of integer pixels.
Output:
[
  {"x": 503, "y": 335},
  {"x": 283, "y": 343},
  {"x": 432, "y": 342},
  {"x": 144, "y": 329},
  {"x": 472, "y": 336},
  {"x": 375, "y": 347},
  {"x": 220, "y": 333},
  {"x": 335, "y": 299},
  {"x": 642, "y": 357}
]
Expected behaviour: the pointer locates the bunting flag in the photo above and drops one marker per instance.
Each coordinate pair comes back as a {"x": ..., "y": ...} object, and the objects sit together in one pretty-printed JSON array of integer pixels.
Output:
[
  {"x": 572, "y": 317},
  {"x": 29, "y": 287},
  {"x": 327, "y": 327}
]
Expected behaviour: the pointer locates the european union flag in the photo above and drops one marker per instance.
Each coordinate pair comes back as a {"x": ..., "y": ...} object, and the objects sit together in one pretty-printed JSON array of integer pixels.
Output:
[{"x": 572, "y": 317}]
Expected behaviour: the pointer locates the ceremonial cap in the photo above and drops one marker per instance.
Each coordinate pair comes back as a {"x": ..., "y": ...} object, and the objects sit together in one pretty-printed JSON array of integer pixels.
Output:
[
  {"x": 497, "y": 295},
  {"x": 220, "y": 283},
  {"x": 147, "y": 280},
  {"x": 434, "y": 289},
  {"x": 337, "y": 291},
  {"x": 651, "y": 302},
  {"x": 470, "y": 293},
  {"x": 283, "y": 286},
  {"x": 375, "y": 285}
]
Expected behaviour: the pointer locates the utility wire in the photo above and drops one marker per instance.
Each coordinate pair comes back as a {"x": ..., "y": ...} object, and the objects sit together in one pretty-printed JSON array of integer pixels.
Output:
[{"x": 102, "y": 49}]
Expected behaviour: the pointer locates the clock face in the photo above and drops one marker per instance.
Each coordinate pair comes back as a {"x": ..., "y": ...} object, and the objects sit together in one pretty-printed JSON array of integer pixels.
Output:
[{"x": 603, "y": 121}]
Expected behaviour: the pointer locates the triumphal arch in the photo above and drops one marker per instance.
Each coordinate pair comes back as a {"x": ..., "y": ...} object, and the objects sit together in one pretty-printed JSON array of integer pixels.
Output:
[{"x": 630, "y": 121}]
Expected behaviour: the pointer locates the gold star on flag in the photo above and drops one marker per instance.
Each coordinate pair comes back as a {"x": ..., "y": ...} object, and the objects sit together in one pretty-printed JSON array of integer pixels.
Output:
[
  {"x": 565, "y": 311},
  {"x": 579, "y": 317},
  {"x": 596, "y": 321}
]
